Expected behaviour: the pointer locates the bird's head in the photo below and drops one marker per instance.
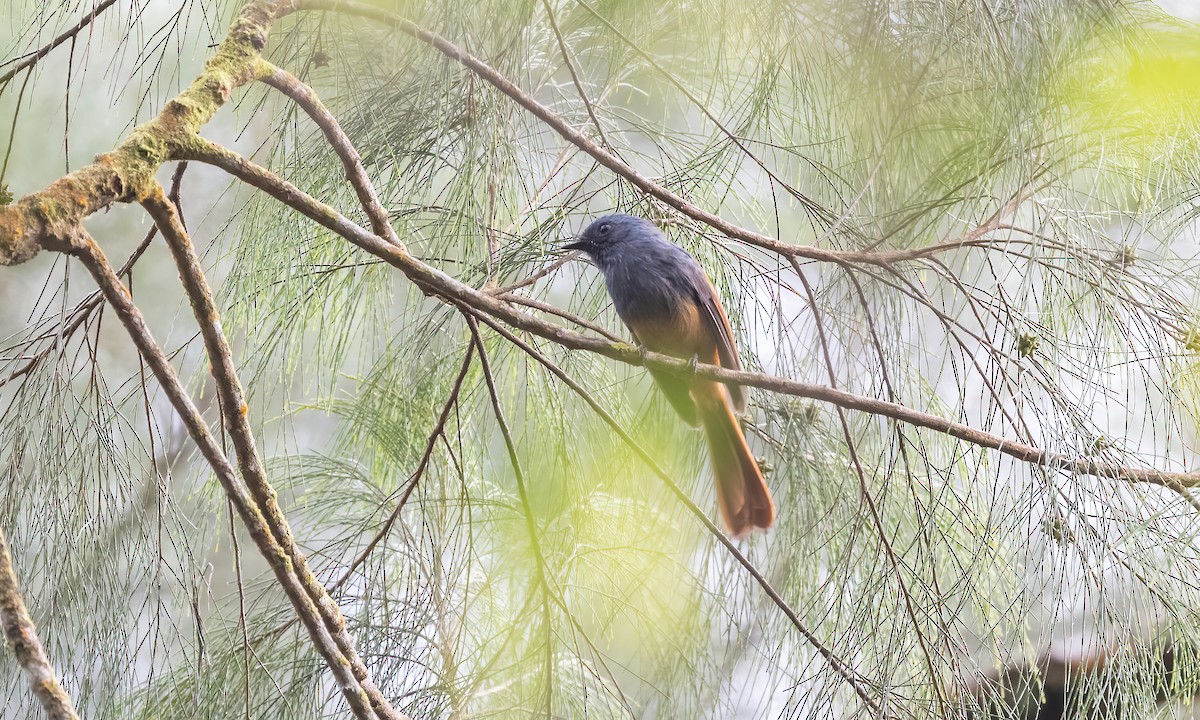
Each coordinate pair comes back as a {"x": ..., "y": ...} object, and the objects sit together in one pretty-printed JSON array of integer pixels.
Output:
[{"x": 608, "y": 234}]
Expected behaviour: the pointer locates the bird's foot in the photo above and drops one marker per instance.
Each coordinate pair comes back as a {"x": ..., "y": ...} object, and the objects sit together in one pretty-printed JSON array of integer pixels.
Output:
[{"x": 692, "y": 363}]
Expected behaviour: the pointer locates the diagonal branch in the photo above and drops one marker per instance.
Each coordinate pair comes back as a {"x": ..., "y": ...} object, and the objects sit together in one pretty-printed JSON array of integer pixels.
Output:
[
  {"x": 435, "y": 282},
  {"x": 559, "y": 312},
  {"x": 438, "y": 429},
  {"x": 235, "y": 413},
  {"x": 527, "y": 511},
  {"x": 531, "y": 279},
  {"x": 26, "y": 646},
  {"x": 304, "y": 96},
  {"x": 566, "y": 56},
  {"x": 118, "y": 297},
  {"x": 46, "y": 219}
]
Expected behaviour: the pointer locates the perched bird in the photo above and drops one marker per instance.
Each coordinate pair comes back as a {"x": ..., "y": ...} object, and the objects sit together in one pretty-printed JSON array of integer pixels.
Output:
[{"x": 669, "y": 304}]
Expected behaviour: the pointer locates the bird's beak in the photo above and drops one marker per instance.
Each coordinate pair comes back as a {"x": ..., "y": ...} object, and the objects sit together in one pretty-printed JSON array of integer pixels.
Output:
[{"x": 578, "y": 245}]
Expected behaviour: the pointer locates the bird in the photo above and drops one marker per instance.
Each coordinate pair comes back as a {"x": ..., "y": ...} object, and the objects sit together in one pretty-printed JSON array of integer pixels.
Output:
[{"x": 669, "y": 304}]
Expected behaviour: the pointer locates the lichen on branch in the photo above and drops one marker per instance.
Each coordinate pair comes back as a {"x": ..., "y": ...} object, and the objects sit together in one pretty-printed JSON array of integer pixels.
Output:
[{"x": 46, "y": 219}]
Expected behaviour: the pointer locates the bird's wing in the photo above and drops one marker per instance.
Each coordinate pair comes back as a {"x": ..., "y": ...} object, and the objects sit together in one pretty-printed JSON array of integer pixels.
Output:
[
  {"x": 714, "y": 314},
  {"x": 678, "y": 390}
]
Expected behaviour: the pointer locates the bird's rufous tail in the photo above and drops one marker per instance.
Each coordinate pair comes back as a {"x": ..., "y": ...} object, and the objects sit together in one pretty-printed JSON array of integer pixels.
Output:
[{"x": 742, "y": 494}]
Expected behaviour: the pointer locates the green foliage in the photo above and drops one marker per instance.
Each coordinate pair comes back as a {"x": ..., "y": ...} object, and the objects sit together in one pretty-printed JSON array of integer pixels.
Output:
[{"x": 1066, "y": 130}]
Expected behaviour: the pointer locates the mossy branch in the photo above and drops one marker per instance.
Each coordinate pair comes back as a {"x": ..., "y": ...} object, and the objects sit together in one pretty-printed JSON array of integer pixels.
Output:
[
  {"x": 118, "y": 297},
  {"x": 52, "y": 219},
  {"x": 48, "y": 218}
]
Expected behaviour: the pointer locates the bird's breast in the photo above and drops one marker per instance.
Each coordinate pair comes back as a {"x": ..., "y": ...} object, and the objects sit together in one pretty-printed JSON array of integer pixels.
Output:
[{"x": 660, "y": 311}]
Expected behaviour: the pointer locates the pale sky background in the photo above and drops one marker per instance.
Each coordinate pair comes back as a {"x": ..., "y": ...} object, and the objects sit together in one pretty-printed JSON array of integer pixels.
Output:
[{"x": 1188, "y": 9}]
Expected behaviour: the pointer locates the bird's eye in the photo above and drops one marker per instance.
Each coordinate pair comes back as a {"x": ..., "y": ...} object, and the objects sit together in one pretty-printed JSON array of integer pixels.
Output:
[{"x": 604, "y": 227}]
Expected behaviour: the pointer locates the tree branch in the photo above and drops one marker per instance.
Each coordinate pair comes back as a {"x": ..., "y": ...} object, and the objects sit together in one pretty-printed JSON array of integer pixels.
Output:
[
  {"x": 235, "y": 412},
  {"x": 434, "y": 282},
  {"x": 48, "y": 219},
  {"x": 89, "y": 253},
  {"x": 304, "y": 96},
  {"x": 33, "y": 58},
  {"x": 26, "y": 646}
]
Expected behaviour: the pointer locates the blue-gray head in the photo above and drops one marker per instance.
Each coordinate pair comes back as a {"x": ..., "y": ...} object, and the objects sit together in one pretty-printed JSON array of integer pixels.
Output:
[{"x": 606, "y": 236}]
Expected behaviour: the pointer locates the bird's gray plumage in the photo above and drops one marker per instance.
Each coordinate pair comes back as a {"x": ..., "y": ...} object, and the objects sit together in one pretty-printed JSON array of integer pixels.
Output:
[
  {"x": 650, "y": 277},
  {"x": 670, "y": 306}
]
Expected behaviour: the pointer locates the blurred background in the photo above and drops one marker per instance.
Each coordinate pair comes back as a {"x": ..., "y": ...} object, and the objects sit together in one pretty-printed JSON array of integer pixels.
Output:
[{"x": 1058, "y": 138}]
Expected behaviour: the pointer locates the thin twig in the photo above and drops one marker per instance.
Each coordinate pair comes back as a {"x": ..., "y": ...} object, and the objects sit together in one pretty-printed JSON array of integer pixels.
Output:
[
  {"x": 901, "y": 446},
  {"x": 490, "y": 380},
  {"x": 550, "y": 588},
  {"x": 573, "y": 255},
  {"x": 438, "y": 428},
  {"x": 27, "y": 647},
  {"x": 527, "y": 510},
  {"x": 564, "y": 314},
  {"x": 606, "y": 158},
  {"x": 867, "y": 496},
  {"x": 241, "y": 590},
  {"x": 566, "y": 55},
  {"x": 34, "y": 57}
]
